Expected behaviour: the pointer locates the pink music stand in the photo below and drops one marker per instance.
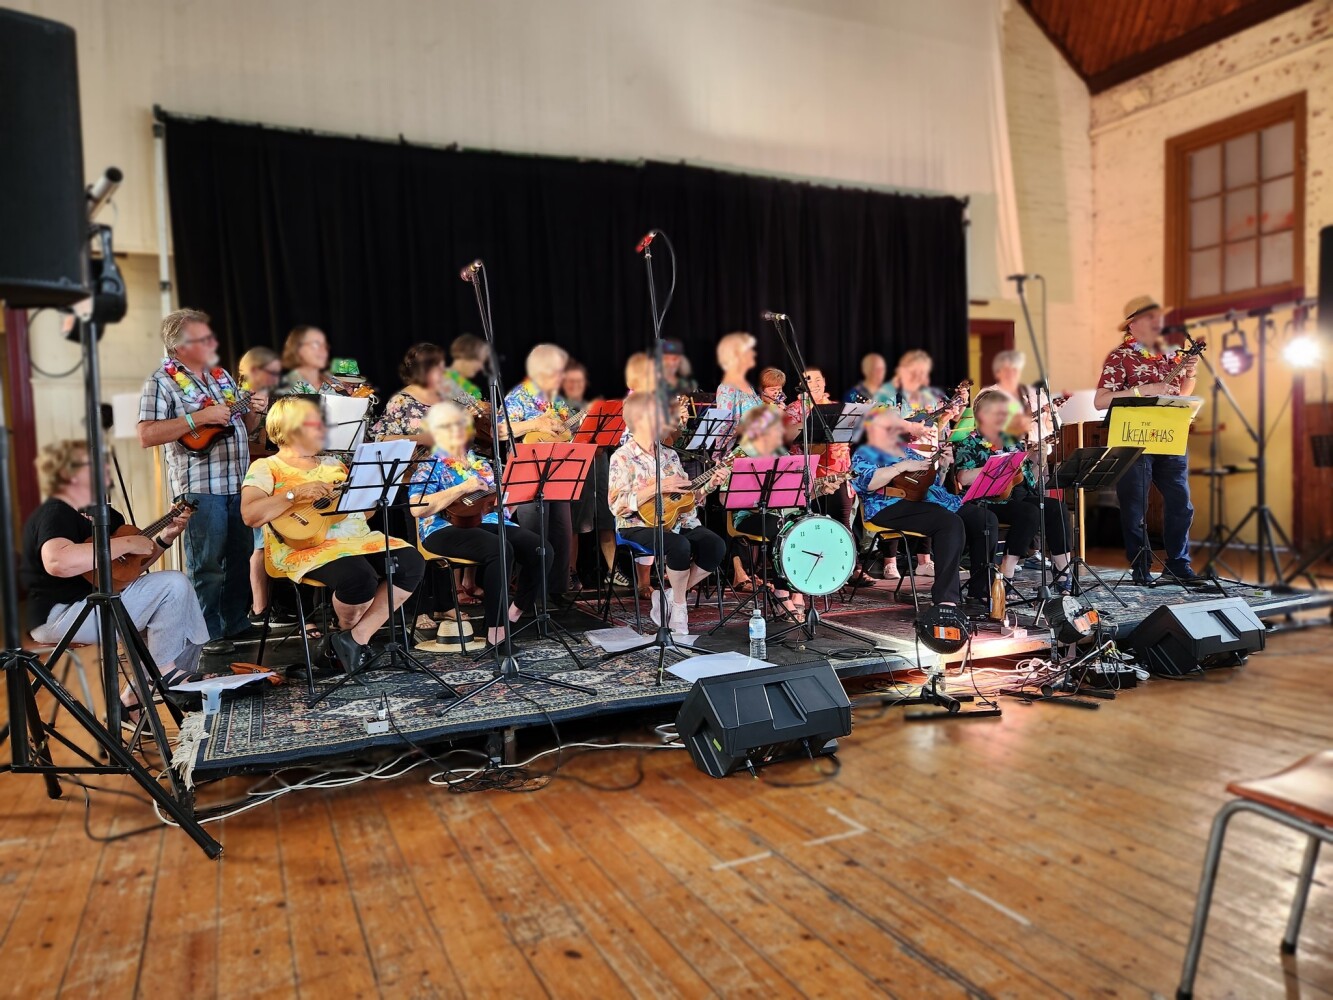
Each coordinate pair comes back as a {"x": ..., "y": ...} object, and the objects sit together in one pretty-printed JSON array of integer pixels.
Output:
[
  {"x": 996, "y": 475},
  {"x": 765, "y": 483},
  {"x": 604, "y": 424}
]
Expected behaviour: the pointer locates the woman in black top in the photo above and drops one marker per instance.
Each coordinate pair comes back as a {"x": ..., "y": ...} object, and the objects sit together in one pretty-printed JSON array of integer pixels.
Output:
[{"x": 58, "y": 550}]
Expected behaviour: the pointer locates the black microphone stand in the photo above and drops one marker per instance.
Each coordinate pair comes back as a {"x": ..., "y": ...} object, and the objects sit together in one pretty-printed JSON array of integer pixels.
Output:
[
  {"x": 507, "y": 668},
  {"x": 663, "y": 641},
  {"x": 811, "y": 620}
]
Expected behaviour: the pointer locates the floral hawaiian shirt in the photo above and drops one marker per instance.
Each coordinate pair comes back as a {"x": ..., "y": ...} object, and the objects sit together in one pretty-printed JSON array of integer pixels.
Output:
[
  {"x": 526, "y": 402},
  {"x": 973, "y": 451},
  {"x": 1132, "y": 364},
  {"x": 738, "y": 401},
  {"x": 835, "y": 458},
  {"x": 463, "y": 382},
  {"x": 868, "y": 460},
  {"x": 404, "y": 416},
  {"x": 441, "y": 475},
  {"x": 634, "y": 471}
]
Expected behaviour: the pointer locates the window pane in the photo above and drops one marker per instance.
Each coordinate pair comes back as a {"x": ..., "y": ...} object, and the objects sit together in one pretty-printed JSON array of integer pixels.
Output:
[
  {"x": 1240, "y": 265},
  {"x": 1275, "y": 257},
  {"x": 1205, "y": 273},
  {"x": 1241, "y": 160},
  {"x": 1278, "y": 202},
  {"x": 1279, "y": 149},
  {"x": 1242, "y": 213},
  {"x": 1205, "y": 171},
  {"x": 1206, "y": 222}
]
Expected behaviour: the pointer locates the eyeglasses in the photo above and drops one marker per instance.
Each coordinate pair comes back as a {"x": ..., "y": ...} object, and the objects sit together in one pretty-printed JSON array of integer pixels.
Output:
[
  {"x": 210, "y": 339},
  {"x": 453, "y": 425}
]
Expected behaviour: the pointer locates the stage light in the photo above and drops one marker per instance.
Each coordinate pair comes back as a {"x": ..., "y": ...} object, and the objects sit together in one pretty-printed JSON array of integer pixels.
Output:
[
  {"x": 1070, "y": 621},
  {"x": 1303, "y": 351},
  {"x": 943, "y": 628},
  {"x": 1236, "y": 356}
]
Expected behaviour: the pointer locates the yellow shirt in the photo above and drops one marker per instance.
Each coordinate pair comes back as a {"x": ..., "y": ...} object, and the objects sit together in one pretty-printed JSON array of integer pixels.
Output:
[{"x": 349, "y": 537}]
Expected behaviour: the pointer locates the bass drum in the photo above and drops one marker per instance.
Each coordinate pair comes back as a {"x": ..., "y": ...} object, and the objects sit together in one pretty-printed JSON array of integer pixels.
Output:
[{"x": 815, "y": 554}]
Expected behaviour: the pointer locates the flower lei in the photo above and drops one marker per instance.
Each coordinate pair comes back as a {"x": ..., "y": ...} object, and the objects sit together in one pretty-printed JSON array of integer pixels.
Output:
[
  {"x": 545, "y": 405},
  {"x": 1138, "y": 348},
  {"x": 190, "y": 389},
  {"x": 475, "y": 465}
]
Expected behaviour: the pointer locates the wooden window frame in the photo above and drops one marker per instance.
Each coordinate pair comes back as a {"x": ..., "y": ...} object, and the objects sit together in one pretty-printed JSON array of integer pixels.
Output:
[{"x": 1178, "y": 149}]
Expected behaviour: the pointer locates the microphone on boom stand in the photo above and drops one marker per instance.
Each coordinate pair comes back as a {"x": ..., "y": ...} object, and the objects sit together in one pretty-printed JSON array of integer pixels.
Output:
[{"x": 647, "y": 241}]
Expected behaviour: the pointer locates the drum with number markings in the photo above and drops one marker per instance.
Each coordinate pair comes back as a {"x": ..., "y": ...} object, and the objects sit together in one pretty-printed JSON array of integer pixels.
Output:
[{"x": 815, "y": 554}]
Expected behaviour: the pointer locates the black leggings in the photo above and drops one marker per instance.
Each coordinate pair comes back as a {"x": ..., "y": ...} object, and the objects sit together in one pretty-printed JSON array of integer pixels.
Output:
[
  {"x": 354, "y": 579},
  {"x": 839, "y": 505},
  {"x": 482, "y": 545},
  {"x": 559, "y": 537},
  {"x": 1022, "y": 515},
  {"x": 699, "y": 546},
  {"x": 947, "y": 532}
]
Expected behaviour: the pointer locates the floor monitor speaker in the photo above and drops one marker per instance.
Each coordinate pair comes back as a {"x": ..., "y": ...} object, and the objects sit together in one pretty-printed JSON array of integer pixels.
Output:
[{"x": 1180, "y": 639}]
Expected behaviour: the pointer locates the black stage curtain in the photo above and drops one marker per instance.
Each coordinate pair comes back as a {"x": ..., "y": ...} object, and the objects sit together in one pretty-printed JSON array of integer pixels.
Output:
[{"x": 365, "y": 239}]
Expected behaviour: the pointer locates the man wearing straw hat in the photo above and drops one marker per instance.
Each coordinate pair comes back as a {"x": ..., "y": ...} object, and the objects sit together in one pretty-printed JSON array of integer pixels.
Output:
[{"x": 1140, "y": 366}]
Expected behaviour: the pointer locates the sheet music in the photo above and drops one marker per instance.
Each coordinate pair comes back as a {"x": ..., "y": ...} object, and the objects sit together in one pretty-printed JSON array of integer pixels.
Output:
[
  {"x": 714, "y": 431},
  {"x": 371, "y": 463},
  {"x": 346, "y": 418}
]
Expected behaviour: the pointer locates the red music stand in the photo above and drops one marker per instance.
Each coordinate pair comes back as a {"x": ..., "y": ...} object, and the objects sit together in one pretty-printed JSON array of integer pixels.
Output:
[
  {"x": 536, "y": 473},
  {"x": 604, "y": 424}
]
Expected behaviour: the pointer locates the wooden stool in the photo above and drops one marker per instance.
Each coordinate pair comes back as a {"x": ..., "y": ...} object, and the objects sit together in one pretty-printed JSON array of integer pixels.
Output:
[{"x": 1301, "y": 798}]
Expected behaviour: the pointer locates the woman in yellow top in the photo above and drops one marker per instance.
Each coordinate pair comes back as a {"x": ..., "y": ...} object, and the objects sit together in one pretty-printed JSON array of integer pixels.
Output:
[{"x": 350, "y": 560}]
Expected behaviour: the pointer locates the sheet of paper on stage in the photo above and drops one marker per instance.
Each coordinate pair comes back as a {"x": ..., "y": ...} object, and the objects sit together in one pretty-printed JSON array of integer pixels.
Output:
[{"x": 716, "y": 664}]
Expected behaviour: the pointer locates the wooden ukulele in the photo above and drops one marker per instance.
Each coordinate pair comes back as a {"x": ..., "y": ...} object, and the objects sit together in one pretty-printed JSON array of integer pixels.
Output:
[
  {"x": 305, "y": 524},
  {"x": 563, "y": 436},
  {"x": 828, "y": 484},
  {"x": 677, "y": 505},
  {"x": 961, "y": 395},
  {"x": 1193, "y": 351},
  {"x": 915, "y": 485},
  {"x": 469, "y": 509},
  {"x": 128, "y": 568},
  {"x": 202, "y": 439}
]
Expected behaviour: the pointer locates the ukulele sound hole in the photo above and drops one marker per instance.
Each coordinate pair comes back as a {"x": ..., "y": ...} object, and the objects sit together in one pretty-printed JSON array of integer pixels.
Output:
[{"x": 321, "y": 503}]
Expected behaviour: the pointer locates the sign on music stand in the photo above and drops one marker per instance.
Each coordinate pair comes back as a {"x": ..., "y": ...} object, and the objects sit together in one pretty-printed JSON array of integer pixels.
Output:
[
  {"x": 1157, "y": 424},
  {"x": 538, "y": 473},
  {"x": 604, "y": 424}
]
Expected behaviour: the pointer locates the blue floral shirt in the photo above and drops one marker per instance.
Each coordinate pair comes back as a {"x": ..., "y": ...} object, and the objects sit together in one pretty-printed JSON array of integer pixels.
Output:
[
  {"x": 738, "y": 401},
  {"x": 868, "y": 460},
  {"x": 526, "y": 402},
  {"x": 974, "y": 451},
  {"x": 444, "y": 473}
]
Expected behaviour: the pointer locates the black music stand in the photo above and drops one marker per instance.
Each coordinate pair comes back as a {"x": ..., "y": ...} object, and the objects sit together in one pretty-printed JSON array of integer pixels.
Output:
[
  {"x": 384, "y": 474},
  {"x": 709, "y": 433},
  {"x": 537, "y": 473},
  {"x": 1089, "y": 469}
]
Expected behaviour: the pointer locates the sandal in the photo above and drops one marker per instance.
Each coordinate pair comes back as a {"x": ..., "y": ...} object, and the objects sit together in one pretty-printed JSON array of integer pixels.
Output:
[{"x": 746, "y": 586}]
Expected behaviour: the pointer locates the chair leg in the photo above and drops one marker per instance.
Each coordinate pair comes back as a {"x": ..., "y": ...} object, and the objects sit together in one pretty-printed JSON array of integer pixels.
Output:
[
  {"x": 911, "y": 577},
  {"x": 263, "y": 635},
  {"x": 458, "y": 615},
  {"x": 1302, "y": 896},
  {"x": 1207, "y": 880},
  {"x": 305, "y": 640}
]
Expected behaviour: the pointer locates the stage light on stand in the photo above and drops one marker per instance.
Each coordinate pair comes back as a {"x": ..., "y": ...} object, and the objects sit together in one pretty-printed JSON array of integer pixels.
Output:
[
  {"x": 1070, "y": 621},
  {"x": 943, "y": 628},
  {"x": 1303, "y": 351},
  {"x": 1236, "y": 357}
]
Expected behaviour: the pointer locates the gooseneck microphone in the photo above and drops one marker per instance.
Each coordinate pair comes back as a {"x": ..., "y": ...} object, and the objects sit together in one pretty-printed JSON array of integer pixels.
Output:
[{"x": 769, "y": 316}]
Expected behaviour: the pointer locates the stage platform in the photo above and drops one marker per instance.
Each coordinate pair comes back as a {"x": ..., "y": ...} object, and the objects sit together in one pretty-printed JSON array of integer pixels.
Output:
[{"x": 267, "y": 727}]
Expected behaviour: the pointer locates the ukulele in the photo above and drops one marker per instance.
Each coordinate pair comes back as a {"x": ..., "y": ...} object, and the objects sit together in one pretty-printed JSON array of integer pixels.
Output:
[
  {"x": 481, "y": 415},
  {"x": 128, "y": 568},
  {"x": 306, "y": 525},
  {"x": 961, "y": 395},
  {"x": 829, "y": 483},
  {"x": 1193, "y": 351},
  {"x": 677, "y": 505},
  {"x": 563, "y": 436},
  {"x": 469, "y": 509},
  {"x": 202, "y": 439}
]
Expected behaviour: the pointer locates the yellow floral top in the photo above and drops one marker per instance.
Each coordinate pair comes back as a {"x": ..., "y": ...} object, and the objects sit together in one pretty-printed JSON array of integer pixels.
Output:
[{"x": 349, "y": 537}]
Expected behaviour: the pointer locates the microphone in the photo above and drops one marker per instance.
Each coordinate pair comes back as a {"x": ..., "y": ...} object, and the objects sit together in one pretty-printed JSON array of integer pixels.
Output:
[
  {"x": 100, "y": 191},
  {"x": 647, "y": 241},
  {"x": 769, "y": 316},
  {"x": 1022, "y": 277},
  {"x": 469, "y": 271}
]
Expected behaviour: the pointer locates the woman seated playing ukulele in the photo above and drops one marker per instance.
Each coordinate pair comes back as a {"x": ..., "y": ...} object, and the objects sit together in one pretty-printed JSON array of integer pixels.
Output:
[
  {"x": 993, "y": 410},
  {"x": 692, "y": 551},
  {"x": 58, "y": 551},
  {"x": 456, "y": 473},
  {"x": 350, "y": 558}
]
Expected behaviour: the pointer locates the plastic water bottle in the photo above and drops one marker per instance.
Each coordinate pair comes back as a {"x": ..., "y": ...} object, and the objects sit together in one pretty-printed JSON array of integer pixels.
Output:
[{"x": 758, "y": 636}]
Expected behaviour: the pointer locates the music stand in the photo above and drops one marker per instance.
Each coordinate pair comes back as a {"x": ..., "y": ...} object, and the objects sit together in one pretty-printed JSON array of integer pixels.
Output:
[
  {"x": 376, "y": 471},
  {"x": 842, "y": 423},
  {"x": 536, "y": 473},
  {"x": 603, "y": 425},
  {"x": 711, "y": 431},
  {"x": 758, "y": 484},
  {"x": 1090, "y": 469}
]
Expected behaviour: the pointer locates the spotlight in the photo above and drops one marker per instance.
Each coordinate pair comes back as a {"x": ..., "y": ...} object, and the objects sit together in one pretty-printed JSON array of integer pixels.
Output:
[
  {"x": 943, "y": 628},
  {"x": 1302, "y": 351},
  {"x": 1236, "y": 356},
  {"x": 1070, "y": 621}
]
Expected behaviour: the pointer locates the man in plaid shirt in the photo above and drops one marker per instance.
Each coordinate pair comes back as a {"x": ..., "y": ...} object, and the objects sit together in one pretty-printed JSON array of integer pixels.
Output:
[
  {"x": 1138, "y": 367},
  {"x": 189, "y": 392}
]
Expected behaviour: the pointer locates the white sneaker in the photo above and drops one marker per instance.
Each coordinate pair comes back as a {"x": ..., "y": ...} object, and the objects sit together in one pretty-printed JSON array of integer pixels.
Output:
[
  {"x": 655, "y": 605},
  {"x": 891, "y": 571},
  {"x": 680, "y": 619},
  {"x": 925, "y": 569}
]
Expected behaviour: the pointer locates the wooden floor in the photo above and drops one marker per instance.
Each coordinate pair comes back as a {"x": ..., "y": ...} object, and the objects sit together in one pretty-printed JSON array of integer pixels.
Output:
[{"x": 1051, "y": 852}]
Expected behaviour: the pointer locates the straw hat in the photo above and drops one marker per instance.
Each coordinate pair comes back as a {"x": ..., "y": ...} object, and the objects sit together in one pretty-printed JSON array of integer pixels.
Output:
[
  {"x": 1136, "y": 307},
  {"x": 447, "y": 636}
]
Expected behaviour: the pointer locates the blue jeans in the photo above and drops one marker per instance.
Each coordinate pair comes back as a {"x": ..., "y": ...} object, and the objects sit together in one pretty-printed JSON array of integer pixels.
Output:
[
  {"x": 217, "y": 558},
  {"x": 1170, "y": 474}
]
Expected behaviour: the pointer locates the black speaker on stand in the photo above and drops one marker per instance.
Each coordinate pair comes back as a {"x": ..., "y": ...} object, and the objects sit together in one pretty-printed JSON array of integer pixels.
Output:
[
  {"x": 762, "y": 716},
  {"x": 44, "y": 235},
  {"x": 1181, "y": 639}
]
